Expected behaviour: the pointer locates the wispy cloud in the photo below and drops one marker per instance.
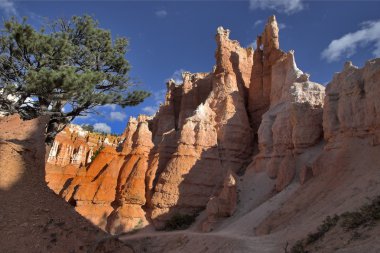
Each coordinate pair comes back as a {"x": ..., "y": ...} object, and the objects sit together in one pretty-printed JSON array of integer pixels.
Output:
[
  {"x": 102, "y": 127},
  {"x": 177, "y": 76},
  {"x": 161, "y": 13},
  {"x": 150, "y": 110},
  {"x": 8, "y": 7},
  {"x": 118, "y": 116},
  {"x": 110, "y": 106},
  {"x": 346, "y": 46},
  {"x": 258, "y": 22},
  {"x": 158, "y": 97},
  {"x": 281, "y": 26},
  {"x": 285, "y": 6}
]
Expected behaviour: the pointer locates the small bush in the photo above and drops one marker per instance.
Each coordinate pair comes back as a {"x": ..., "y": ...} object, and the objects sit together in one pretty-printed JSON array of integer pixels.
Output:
[
  {"x": 351, "y": 220},
  {"x": 96, "y": 153},
  {"x": 327, "y": 224},
  {"x": 298, "y": 247},
  {"x": 367, "y": 214},
  {"x": 180, "y": 221}
]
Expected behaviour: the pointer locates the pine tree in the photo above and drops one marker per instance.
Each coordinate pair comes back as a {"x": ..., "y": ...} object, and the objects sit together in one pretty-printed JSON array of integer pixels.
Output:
[{"x": 64, "y": 71}]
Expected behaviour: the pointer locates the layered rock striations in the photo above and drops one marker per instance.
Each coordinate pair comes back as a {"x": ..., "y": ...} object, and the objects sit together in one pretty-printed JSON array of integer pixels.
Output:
[
  {"x": 72, "y": 150},
  {"x": 214, "y": 138},
  {"x": 255, "y": 111},
  {"x": 130, "y": 188}
]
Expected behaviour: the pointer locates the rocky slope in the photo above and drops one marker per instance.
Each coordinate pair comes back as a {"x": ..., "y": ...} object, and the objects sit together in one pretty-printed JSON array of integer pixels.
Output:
[
  {"x": 32, "y": 218},
  {"x": 254, "y": 140}
]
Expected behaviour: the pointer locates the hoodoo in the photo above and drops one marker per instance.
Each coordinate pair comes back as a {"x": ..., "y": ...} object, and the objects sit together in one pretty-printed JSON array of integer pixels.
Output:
[
  {"x": 226, "y": 143},
  {"x": 205, "y": 132}
]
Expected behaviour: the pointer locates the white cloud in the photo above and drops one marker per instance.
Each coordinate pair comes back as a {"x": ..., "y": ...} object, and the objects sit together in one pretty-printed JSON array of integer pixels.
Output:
[
  {"x": 286, "y": 6},
  {"x": 102, "y": 127},
  {"x": 161, "y": 13},
  {"x": 8, "y": 7},
  {"x": 346, "y": 46},
  {"x": 177, "y": 76},
  {"x": 258, "y": 22},
  {"x": 281, "y": 26},
  {"x": 159, "y": 97},
  {"x": 150, "y": 110},
  {"x": 110, "y": 106},
  {"x": 119, "y": 116}
]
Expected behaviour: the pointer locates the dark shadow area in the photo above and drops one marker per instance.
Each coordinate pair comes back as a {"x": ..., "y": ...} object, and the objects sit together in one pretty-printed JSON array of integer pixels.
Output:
[
  {"x": 33, "y": 218},
  {"x": 100, "y": 173},
  {"x": 65, "y": 186},
  {"x": 242, "y": 86}
]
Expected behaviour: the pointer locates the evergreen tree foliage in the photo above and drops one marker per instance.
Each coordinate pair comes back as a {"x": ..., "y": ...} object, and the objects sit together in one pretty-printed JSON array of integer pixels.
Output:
[{"x": 64, "y": 70}]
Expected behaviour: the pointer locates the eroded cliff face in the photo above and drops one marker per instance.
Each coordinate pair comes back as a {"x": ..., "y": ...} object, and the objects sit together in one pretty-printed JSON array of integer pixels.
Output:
[
  {"x": 256, "y": 112},
  {"x": 292, "y": 123},
  {"x": 72, "y": 150},
  {"x": 215, "y": 136}
]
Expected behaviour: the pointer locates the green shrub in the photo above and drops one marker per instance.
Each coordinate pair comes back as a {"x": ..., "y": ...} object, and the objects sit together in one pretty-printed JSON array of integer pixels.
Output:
[
  {"x": 180, "y": 221},
  {"x": 96, "y": 153},
  {"x": 367, "y": 214},
  {"x": 327, "y": 224},
  {"x": 298, "y": 247}
]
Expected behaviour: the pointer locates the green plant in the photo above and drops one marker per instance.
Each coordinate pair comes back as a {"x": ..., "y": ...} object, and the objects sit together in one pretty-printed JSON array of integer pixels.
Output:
[
  {"x": 63, "y": 72},
  {"x": 88, "y": 127},
  {"x": 139, "y": 224},
  {"x": 298, "y": 247},
  {"x": 367, "y": 214},
  {"x": 327, "y": 224},
  {"x": 96, "y": 153},
  {"x": 180, "y": 221}
]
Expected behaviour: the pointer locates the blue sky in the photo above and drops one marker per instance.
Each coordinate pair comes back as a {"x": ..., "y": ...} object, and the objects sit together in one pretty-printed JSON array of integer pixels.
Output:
[{"x": 167, "y": 37}]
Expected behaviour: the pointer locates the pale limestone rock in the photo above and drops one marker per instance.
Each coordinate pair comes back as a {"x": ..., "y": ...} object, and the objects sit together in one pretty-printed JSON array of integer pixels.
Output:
[
  {"x": 352, "y": 102},
  {"x": 292, "y": 123}
]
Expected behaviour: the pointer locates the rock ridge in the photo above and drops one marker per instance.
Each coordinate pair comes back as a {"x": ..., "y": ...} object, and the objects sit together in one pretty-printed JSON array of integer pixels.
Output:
[{"x": 256, "y": 113}]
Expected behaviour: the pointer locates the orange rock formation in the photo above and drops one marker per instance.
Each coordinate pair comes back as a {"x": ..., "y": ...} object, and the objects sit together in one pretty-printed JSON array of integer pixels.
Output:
[{"x": 255, "y": 110}]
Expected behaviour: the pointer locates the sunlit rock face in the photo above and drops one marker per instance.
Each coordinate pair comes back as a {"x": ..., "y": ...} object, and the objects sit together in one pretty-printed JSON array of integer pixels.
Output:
[
  {"x": 352, "y": 102},
  {"x": 72, "y": 150},
  {"x": 130, "y": 188},
  {"x": 292, "y": 123}
]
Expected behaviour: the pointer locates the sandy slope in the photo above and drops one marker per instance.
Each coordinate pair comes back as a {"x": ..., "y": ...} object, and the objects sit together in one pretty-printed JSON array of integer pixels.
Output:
[
  {"x": 32, "y": 217},
  {"x": 266, "y": 222}
]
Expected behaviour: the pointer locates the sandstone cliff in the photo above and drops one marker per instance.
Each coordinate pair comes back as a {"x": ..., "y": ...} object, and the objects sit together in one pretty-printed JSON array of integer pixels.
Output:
[
  {"x": 241, "y": 141},
  {"x": 72, "y": 150}
]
